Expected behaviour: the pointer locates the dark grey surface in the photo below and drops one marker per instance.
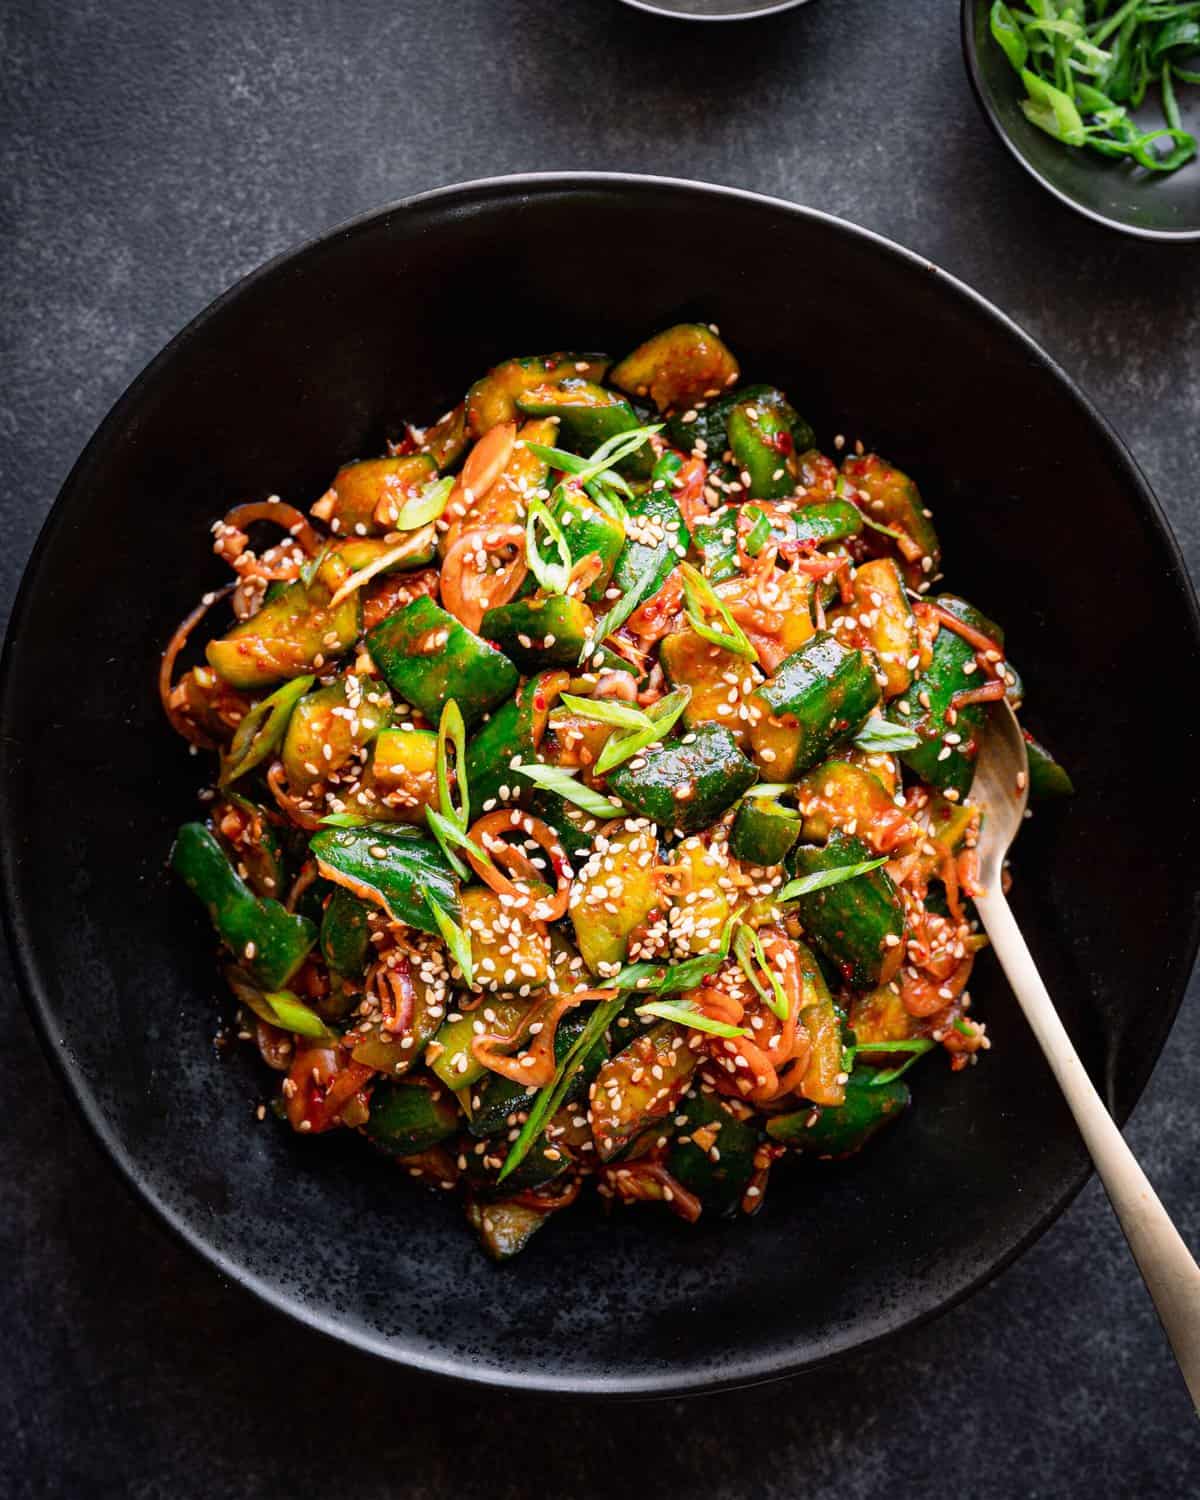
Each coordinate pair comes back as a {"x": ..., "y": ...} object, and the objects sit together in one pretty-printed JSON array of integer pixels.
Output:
[{"x": 150, "y": 156}]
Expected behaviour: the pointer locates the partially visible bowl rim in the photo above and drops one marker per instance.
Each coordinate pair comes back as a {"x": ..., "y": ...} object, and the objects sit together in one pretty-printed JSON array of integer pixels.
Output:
[
  {"x": 988, "y": 110},
  {"x": 749, "y": 1371},
  {"x": 769, "y": 8}
]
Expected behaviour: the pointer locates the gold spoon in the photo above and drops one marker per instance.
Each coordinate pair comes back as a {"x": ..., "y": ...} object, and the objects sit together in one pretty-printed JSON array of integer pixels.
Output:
[{"x": 1000, "y": 789}]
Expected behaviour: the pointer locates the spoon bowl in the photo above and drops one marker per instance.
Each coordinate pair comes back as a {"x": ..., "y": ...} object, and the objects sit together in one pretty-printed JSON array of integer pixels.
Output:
[{"x": 1000, "y": 790}]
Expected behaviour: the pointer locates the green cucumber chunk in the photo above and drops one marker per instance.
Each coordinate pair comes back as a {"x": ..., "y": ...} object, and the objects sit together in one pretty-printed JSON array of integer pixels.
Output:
[
  {"x": 763, "y": 832},
  {"x": 685, "y": 785},
  {"x": 820, "y": 694},
  {"x": 948, "y": 765},
  {"x": 677, "y": 368},
  {"x": 843, "y": 1129},
  {"x": 395, "y": 867},
  {"x": 538, "y": 633},
  {"x": 268, "y": 940},
  {"x": 409, "y": 1115},
  {"x": 712, "y": 1154},
  {"x": 859, "y": 923},
  {"x": 428, "y": 657}
]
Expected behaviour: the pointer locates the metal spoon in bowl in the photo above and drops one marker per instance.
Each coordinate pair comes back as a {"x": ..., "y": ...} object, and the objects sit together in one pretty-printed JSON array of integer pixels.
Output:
[{"x": 1000, "y": 789}]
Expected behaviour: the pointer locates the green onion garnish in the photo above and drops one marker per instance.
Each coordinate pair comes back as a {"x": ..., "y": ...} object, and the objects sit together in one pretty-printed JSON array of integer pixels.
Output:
[
  {"x": 456, "y": 940},
  {"x": 747, "y": 946},
  {"x": 688, "y": 1015},
  {"x": 917, "y": 1048},
  {"x": 426, "y": 507},
  {"x": 619, "y": 613},
  {"x": 262, "y": 729},
  {"x": 556, "y": 779},
  {"x": 450, "y": 837},
  {"x": 452, "y": 730},
  {"x": 821, "y": 878},
  {"x": 619, "y": 748},
  {"x": 1081, "y": 67},
  {"x": 552, "y": 576},
  {"x": 877, "y": 735},
  {"x": 606, "y": 711},
  {"x": 552, "y": 1095},
  {"x": 759, "y": 534},
  {"x": 294, "y": 1015},
  {"x": 698, "y": 595}
]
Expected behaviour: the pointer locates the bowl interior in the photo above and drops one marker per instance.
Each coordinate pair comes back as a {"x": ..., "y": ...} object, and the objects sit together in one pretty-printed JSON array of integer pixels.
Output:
[
  {"x": 1155, "y": 204},
  {"x": 315, "y": 359}
]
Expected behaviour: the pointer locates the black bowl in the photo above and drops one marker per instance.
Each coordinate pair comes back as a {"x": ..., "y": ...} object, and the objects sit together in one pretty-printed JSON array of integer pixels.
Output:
[
  {"x": 1152, "y": 205},
  {"x": 714, "y": 10},
  {"x": 1047, "y": 524}
]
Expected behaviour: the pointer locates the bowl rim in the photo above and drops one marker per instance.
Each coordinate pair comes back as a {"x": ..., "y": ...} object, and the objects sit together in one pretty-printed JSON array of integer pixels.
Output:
[
  {"x": 991, "y": 115},
  {"x": 749, "y": 1370},
  {"x": 767, "y": 8}
]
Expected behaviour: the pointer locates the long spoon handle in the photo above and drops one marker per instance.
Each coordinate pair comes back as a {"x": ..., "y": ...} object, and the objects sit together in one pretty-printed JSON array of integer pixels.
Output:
[{"x": 1168, "y": 1269}]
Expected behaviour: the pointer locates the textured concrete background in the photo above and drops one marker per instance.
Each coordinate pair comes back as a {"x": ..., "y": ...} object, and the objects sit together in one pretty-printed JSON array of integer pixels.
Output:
[{"x": 149, "y": 155}]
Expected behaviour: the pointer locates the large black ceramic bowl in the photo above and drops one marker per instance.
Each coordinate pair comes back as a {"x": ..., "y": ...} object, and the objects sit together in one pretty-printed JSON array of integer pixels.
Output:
[
  {"x": 1152, "y": 205},
  {"x": 1046, "y": 523}
]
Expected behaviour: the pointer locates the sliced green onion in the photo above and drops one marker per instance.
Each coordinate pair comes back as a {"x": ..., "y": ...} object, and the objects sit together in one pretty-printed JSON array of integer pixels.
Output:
[
  {"x": 748, "y": 948},
  {"x": 759, "y": 534},
  {"x": 616, "y": 448},
  {"x": 345, "y": 820},
  {"x": 619, "y": 613},
  {"x": 452, "y": 730},
  {"x": 605, "y": 458},
  {"x": 698, "y": 595},
  {"x": 821, "y": 878},
  {"x": 619, "y": 748},
  {"x": 450, "y": 837},
  {"x": 549, "y": 1098},
  {"x": 1009, "y": 35},
  {"x": 261, "y": 731},
  {"x": 556, "y": 779},
  {"x": 918, "y": 1048},
  {"x": 607, "y": 711},
  {"x": 552, "y": 576},
  {"x": 294, "y": 1015},
  {"x": 606, "y": 497},
  {"x": 688, "y": 1015},
  {"x": 456, "y": 940},
  {"x": 877, "y": 735},
  {"x": 426, "y": 507}
]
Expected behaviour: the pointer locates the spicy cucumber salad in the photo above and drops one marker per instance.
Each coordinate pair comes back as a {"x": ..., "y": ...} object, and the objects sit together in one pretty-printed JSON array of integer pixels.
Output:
[{"x": 592, "y": 799}]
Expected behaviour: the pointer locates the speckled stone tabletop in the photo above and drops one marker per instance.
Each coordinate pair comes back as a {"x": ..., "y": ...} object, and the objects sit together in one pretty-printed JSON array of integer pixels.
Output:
[{"x": 151, "y": 154}]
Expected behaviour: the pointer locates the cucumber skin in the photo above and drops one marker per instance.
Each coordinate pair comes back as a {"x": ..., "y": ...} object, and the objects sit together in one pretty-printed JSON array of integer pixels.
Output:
[
  {"x": 942, "y": 678},
  {"x": 567, "y": 620},
  {"x": 717, "y": 769},
  {"x": 719, "y": 1185},
  {"x": 846, "y": 1128},
  {"x": 850, "y": 922},
  {"x": 465, "y": 668},
  {"x": 763, "y": 837},
  {"x": 828, "y": 688},
  {"x": 406, "y": 1116}
]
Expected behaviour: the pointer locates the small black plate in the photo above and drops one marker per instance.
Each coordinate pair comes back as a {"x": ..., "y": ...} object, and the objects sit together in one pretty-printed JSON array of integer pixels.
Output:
[
  {"x": 1047, "y": 525},
  {"x": 1153, "y": 205}
]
